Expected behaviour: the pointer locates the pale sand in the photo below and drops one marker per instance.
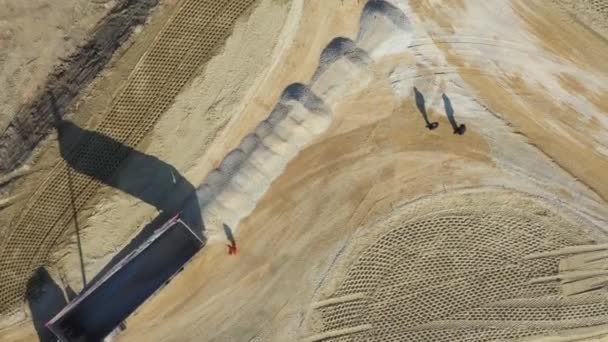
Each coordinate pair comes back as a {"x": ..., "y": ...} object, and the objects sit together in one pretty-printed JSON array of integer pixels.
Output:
[
  {"x": 252, "y": 41},
  {"x": 197, "y": 115},
  {"x": 34, "y": 36},
  {"x": 534, "y": 107},
  {"x": 377, "y": 154}
]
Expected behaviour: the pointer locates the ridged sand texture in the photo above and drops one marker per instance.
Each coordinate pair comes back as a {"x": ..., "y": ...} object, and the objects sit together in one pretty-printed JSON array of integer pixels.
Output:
[
  {"x": 467, "y": 268},
  {"x": 182, "y": 47}
]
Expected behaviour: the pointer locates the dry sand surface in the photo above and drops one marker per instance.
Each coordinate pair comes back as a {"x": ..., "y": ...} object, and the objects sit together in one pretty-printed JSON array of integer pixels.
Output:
[
  {"x": 34, "y": 36},
  {"x": 308, "y": 134},
  {"x": 67, "y": 57}
]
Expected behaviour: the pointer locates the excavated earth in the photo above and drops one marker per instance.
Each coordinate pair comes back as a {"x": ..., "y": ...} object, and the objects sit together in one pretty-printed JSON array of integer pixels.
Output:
[
  {"x": 391, "y": 170},
  {"x": 34, "y": 120}
]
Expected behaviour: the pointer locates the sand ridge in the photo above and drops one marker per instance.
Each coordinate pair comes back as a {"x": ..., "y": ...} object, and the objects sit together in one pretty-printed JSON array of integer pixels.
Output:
[{"x": 231, "y": 192}]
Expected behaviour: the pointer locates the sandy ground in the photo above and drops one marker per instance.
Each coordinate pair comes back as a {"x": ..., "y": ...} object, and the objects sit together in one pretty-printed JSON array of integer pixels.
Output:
[
  {"x": 590, "y": 12},
  {"x": 34, "y": 37},
  {"x": 184, "y": 119},
  {"x": 532, "y": 91},
  {"x": 377, "y": 154},
  {"x": 253, "y": 40},
  {"x": 17, "y": 186}
]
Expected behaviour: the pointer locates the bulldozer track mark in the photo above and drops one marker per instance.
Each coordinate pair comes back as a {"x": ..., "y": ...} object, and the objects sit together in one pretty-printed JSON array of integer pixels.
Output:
[{"x": 186, "y": 42}]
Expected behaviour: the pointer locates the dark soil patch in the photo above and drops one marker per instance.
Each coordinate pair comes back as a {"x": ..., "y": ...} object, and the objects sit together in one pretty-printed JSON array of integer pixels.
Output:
[{"x": 36, "y": 120}]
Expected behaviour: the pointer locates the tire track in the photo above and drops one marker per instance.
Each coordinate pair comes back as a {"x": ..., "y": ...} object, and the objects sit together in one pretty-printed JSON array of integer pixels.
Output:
[{"x": 187, "y": 41}]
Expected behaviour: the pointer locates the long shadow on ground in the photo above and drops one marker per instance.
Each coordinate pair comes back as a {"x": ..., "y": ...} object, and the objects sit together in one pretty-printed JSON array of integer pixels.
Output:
[
  {"x": 45, "y": 299},
  {"x": 449, "y": 111},
  {"x": 421, "y": 105},
  {"x": 146, "y": 178},
  {"x": 143, "y": 176}
]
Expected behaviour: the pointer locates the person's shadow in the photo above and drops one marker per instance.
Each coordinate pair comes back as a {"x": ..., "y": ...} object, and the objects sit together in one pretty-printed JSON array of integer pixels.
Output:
[
  {"x": 420, "y": 103},
  {"x": 231, "y": 240},
  {"x": 449, "y": 111},
  {"x": 45, "y": 299}
]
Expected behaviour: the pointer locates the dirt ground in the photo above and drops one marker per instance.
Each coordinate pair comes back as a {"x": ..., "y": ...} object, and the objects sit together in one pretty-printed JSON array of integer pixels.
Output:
[
  {"x": 315, "y": 116},
  {"x": 29, "y": 52},
  {"x": 591, "y": 13},
  {"x": 377, "y": 154}
]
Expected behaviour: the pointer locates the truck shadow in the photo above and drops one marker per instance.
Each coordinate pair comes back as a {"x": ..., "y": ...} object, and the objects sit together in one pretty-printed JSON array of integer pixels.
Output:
[
  {"x": 142, "y": 176},
  {"x": 45, "y": 299}
]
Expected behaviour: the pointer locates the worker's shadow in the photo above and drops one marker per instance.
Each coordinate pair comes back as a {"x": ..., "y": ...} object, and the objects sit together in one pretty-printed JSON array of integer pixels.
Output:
[
  {"x": 140, "y": 175},
  {"x": 45, "y": 299},
  {"x": 449, "y": 111},
  {"x": 421, "y": 105}
]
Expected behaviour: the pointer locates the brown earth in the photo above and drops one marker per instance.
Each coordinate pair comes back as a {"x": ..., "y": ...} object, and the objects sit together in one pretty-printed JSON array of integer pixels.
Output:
[
  {"x": 40, "y": 99},
  {"x": 527, "y": 79}
]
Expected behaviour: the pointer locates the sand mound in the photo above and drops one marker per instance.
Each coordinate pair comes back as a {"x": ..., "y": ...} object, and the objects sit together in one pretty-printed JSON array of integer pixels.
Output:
[
  {"x": 233, "y": 189},
  {"x": 383, "y": 27},
  {"x": 303, "y": 112}
]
